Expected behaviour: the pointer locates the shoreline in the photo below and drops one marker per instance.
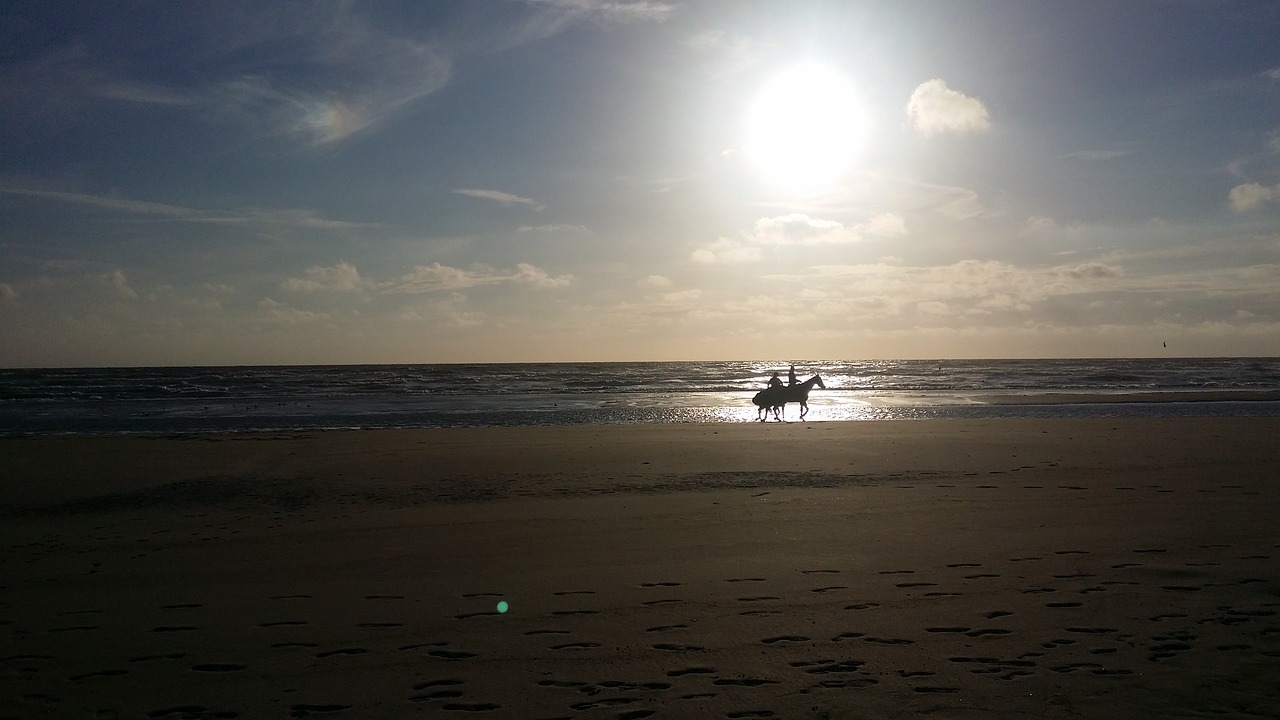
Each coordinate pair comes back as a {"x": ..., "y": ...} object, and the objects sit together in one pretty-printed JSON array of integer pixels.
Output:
[{"x": 1056, "y": 568}]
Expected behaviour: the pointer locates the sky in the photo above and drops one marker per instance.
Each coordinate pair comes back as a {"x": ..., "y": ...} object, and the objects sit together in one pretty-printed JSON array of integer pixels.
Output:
[{"x": 188, "y": 183}]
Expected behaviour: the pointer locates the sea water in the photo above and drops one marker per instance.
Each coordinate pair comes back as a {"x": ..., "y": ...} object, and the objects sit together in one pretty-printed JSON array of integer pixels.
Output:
[{"x": 248, "y": 399}]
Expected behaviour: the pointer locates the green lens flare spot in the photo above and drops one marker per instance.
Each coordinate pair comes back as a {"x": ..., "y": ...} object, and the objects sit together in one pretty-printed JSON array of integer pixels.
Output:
[{"x": 503, "y": 606}]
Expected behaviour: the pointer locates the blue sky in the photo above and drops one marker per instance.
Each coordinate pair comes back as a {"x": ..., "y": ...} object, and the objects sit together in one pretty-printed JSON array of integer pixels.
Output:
[{"x": 525, "y": 180}]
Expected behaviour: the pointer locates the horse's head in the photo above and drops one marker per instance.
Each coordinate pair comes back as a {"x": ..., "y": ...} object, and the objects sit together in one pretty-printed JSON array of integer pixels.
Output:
[{"x": 817, "y": 380}]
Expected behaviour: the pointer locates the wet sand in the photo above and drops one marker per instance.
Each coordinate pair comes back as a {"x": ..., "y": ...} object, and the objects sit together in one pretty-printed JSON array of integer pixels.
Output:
[{"x": 1057, "y": 568}]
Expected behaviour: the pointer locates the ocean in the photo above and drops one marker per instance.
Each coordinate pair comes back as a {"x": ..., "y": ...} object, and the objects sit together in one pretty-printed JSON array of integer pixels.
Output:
[{"x": 263, "y": 398}]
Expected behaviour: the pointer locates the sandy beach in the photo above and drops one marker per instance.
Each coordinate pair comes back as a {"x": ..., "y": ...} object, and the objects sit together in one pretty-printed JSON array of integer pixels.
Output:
[{"x": 1110, "y": 568}]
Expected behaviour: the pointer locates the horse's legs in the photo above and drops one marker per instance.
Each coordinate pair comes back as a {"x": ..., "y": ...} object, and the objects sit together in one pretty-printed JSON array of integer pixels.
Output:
[{"x": 804, "y": 409}]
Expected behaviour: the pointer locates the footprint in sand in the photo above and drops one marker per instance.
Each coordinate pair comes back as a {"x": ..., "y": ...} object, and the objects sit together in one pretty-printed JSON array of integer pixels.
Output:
[
  {"x": 301, "y": 711},
  {"x": 449, "y": 654},
  {"x": 829, "y": 588},
  {"x": 97, "y": 673},
  {"x": 435, "y": 695},
  {"x": 189, "y": 711},
  {"x": 671, "y": 647},
  {"x": 784, "y": 638},
  {"x": 744, "y": 682},
  {"x": 666, "y": 628},
  {"x": 347, "y": 651},
  {"x": 574, "y": 592},
  {"x": 695, "y": 670},
  {"x": 987, "y": 632},
  {"x": 566, "y": 684},
  {"x": 828, "y": 667},
  {"x": 661, "y": 584},
  {"x": 482, "y": 613},
  {"x": 889, "y": 641}
]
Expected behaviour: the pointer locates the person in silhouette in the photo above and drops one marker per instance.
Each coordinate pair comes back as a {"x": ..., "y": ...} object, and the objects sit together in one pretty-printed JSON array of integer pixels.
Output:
[
  {"x": 775, "y": 381},
  {"x": 791, "y": 376}
]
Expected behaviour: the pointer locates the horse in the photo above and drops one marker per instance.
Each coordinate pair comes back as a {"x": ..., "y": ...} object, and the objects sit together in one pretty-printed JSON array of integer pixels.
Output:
[{"x": 775, "y": 398}]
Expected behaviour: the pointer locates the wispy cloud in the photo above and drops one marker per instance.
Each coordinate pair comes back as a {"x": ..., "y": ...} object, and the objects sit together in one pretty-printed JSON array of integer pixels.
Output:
[
  {"x": 794, "y": 229},
  {"x": 290, "y": 217},
  {"x": 500, "y": 197},
  {"x": 613, "y": 10},
  {"x": 436, "y": 277},
  {"x": 1094, "y": 155},
  {"x": 342, "y": 277},
  {"x": 125, "y": 205},
  {"x": 936, "y": 109}
]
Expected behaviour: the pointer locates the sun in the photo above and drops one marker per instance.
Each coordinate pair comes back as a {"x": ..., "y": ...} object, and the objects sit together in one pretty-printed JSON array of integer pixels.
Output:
[{"x": 805, "y": 128}]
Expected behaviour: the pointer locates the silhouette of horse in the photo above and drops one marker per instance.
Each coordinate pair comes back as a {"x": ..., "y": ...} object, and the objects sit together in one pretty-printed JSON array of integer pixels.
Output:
[{"x": 776, "y": 398}]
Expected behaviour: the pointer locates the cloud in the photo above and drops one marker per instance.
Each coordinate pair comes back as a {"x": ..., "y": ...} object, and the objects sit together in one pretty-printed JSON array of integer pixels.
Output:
[
  {"x": 538, "y": 277},
  {"x": 287, "y": 315},
  {"x": 964, "y": 287},
  {"x": 935, "y": 109},
  {"x": 1095, "y": 155},
  {"x": 110, "y": 203},
  {"x": 1251, "y": 195},
  {"x": 795, "y": 229},
  {"x": 287, "y": 217},
  {"x": 341, "y": 277},
  {"x": 436, "y": 277},
  {"x": 120, "y": 283},
  {"x": 613, "y": 10},
  {"x": 725, "y": 252},
  {"x": 499, "y": 197},
  {"x": 655, "y": 281}
]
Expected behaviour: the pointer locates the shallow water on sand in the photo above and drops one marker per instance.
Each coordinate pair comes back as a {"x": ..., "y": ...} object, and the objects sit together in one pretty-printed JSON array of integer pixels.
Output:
[{"x": 235, "y": 399}]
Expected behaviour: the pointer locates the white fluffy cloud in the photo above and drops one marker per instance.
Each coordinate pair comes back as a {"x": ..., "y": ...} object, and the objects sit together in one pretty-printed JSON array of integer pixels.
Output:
[
  {"x": 343, "y": 277},
  {"x": 436, "y": 277},
  {"x": 935, "y": 109},
  {"x": 1251, "y": 195}
]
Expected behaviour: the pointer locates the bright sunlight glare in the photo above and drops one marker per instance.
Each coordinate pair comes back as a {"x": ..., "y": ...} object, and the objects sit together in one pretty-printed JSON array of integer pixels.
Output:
[{"x": 805, "y": 128}]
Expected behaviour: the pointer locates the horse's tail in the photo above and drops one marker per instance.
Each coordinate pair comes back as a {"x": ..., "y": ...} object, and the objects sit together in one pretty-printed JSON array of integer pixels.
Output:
[{"x": 756, "y": 400}]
